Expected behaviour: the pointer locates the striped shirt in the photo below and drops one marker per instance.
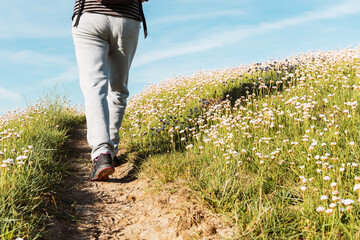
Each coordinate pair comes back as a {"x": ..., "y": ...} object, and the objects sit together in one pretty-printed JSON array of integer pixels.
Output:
[{"x": 125, "y": 10}]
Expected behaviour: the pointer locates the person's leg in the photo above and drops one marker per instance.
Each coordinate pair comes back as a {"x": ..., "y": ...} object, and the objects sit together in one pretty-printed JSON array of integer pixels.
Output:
[
  {"x": 91, "y": 40},
  {"x": 123, "y": 44}
]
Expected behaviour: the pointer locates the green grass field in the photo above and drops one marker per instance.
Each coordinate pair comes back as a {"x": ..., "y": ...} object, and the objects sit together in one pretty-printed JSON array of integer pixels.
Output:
[
  {"x": 31, "y": 146},
  {"x": 273, "y": 146}
]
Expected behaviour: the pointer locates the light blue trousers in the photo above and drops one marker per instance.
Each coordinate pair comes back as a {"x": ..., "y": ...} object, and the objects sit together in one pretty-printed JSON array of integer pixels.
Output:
[{"x": 104, "y": 47}]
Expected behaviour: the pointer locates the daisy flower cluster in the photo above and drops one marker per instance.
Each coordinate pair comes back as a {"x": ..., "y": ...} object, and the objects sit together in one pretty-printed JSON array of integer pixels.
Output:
[
  {"x": 15, "y": 150},
  {"x": 298, "y": 117}
]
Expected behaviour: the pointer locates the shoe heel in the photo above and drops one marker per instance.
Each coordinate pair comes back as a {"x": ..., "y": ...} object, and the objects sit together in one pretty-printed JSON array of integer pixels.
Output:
[{"x": 105, "y": 172}]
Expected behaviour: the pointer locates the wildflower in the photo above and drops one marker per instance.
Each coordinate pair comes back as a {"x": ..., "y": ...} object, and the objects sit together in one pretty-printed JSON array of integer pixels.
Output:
[
  {"x": 329, "y": 211},
  {"x": 332, "y": 205},
  {"x": 335, "y": 193},
  {"x": 333, "y": 184},
  {"x": 9, "y": 161},
  {"x": 323, "y": 158},
  {"x": 357, "y": 187},
  {"x": 347, "y": 202},
  {"x": 303, "y": 188},
  {"x": 324, "y": 198},
  {"x": 189, "y": 146},
  {"x": 349, "y": 208},
  {"x": 335, "y": 199},
  {"x": 320, "y": 209},
  {"x": 326, "y": 178}
]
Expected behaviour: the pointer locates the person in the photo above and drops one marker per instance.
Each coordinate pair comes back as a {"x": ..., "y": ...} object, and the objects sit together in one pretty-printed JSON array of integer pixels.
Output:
[{"x": 105, "y": 35}]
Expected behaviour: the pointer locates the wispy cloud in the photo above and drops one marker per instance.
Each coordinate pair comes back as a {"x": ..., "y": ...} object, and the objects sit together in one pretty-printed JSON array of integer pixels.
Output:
[
  {"x": 193, "y": 17},
  {"x": 35, "y": 19},
  {"x": 34, "y": 58},
  {"x": 228, "y": 37},
  {"x": 6, "y": 94},
  {"x": 61, "y": 68},
  {"x": 10, "y": 100},
  {"x": 32, "y": 30},
  {"x": 70, "y": 74}
]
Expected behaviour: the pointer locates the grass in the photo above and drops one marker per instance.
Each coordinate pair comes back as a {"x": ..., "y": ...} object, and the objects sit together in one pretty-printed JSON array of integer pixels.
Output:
[
  {"x": 273, "y": 146},
  {"x": 31, "y": 146}
]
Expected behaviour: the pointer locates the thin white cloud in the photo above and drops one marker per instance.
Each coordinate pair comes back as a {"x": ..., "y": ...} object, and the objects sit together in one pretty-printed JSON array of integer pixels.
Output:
[
  {"x": 35, "y": 19},
  {"x": 65, "y": 77},
  {"x": 225, "y": 38},
  {"x": 7, "y": 94},
  {"x": 192, "y": 17},
  {"x": 33, "y": 30},
  {"x": 35, "y": 58},
  {"x": 70, "y": 74}
]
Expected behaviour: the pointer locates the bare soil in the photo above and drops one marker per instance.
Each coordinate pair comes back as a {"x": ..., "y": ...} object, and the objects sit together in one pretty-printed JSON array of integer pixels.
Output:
[{"x": 124, "y": 207}]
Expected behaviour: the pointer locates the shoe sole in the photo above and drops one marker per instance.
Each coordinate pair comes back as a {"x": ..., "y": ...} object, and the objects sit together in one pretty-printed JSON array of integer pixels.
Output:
[{"x": 104, "y": 174}]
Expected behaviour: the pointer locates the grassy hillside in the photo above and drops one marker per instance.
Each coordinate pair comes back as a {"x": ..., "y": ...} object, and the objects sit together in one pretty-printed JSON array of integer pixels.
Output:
[
  {"x": 273, "y": 146},
  {"x": 31, "y": 145}
]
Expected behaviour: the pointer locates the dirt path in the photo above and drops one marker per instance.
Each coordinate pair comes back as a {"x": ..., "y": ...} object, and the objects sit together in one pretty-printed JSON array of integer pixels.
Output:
[{"x": 124, "y": 207}]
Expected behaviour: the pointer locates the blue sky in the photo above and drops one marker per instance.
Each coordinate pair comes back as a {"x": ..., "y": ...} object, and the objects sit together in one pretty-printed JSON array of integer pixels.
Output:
[{"x": 185, "y": 36}]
